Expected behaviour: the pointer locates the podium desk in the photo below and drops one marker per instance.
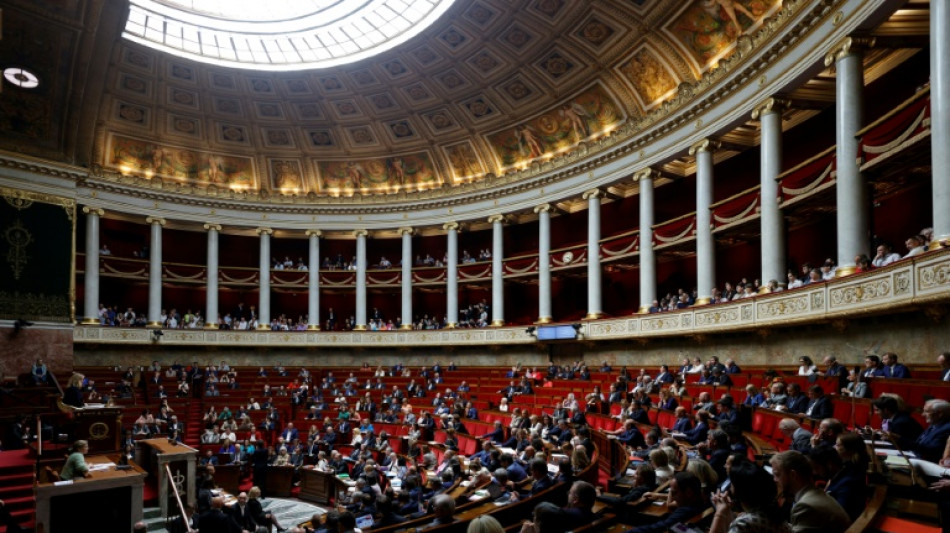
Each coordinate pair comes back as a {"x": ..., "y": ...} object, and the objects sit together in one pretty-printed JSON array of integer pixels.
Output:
[
  {"x": 279, "y": 481},
  {"x": 154, "y": 454},
  {"x": 319, "y": 487},
  {"x": 108, "y": 500},
  {"x": 228, "y": 477}
]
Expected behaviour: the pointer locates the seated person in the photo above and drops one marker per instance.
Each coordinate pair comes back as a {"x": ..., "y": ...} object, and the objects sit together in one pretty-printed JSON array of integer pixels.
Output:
[{"x": 686, "y": 501}]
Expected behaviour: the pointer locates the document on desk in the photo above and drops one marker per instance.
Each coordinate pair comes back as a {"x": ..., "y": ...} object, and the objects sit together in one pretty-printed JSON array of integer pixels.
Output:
[
  {"x": 893, "y": 452},
  {"x": 101, "y": 467}
]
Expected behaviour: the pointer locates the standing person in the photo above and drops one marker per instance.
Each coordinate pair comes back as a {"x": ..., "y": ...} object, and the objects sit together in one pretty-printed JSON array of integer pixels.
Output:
[
  {"x": 73, "y": 393},
  {"x": 76, "y": 463}
]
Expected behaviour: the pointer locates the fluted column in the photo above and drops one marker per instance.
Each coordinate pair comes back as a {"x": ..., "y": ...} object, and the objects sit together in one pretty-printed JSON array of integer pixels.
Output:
[
  {"x": 940, "y": 119},
  {"x": 770, "y": 166},
  {"x": 852, "y": 204},
  {"x": 705, "y": 245},
  {"x": 313, "y": 280},
  {"x": 263, "y": 302},
  {"x": 544, "y": 263},
  {"x": 452, "y": 275},
  {"x": 155, "y": 272},
  {"x": 497, "y": 271},
  {"x": 594, "y": 305},
  {"x": 647, "y": 255},
  {"x": 91, "y": 278},
  {"x": 211, "y": 290},
  {"x": 360, "y": 279},
  {"x": 406, "y": 277}
]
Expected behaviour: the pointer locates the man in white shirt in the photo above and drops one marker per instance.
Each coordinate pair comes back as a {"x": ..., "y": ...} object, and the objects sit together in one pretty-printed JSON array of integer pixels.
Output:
[
  {"x": 884, "y": 256},
  {"x": 915, "y": 246}
]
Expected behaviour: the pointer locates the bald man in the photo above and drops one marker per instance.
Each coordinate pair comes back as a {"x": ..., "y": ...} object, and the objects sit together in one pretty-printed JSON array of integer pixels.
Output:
[{"x": 215, "y": 520}]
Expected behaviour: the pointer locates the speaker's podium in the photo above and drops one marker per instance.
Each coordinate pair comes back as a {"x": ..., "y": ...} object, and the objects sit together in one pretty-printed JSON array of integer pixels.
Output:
[
  {"x": 108, "y": 500},
  {"x": 99, "y": 424},
  {"x": 155, "y": 454}
]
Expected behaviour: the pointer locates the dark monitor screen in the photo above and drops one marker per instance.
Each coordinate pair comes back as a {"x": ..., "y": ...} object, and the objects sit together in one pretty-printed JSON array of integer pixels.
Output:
[{"x": 556, "y": 333}]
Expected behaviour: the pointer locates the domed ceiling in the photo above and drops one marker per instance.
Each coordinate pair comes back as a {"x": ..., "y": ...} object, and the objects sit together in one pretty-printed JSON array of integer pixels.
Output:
[{"x": 489, "y": 88}]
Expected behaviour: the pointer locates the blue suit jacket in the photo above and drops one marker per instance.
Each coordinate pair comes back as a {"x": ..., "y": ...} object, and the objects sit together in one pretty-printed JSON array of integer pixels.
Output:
[
  {"x": 682, "y": 425},
  {"x": 697, "y": 434},
  {"x": 820, "y": 408},
  {"x": 897, "y": 371},
  {"x": 931, "y": 442},
  {"x": 797, "y": 404}
]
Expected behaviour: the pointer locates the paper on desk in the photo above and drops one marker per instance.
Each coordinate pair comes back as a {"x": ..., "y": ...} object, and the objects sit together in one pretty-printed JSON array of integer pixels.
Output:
[
  {"x": 890, "y": 451},
  {"x": 101, "y": 467}
]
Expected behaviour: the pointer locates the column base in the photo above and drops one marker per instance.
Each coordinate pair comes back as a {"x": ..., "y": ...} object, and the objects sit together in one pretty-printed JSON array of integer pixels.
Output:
[
  {"x": 843, "y": 271},
  {"x": 451, "y": 325},
  {"x": 594, "y": 316},
  {"x": 153, "y": 324},
  {"x": 313, "y": 327},
  {"x": 90, "y": 322},
  {"x": 703, "y": 301},
  {"x": 497, "y": 323},
  {"x": 544, "y": 320},
  {"x": 212, "y": 326},
  {"x": 939, "y": 242},
  {"x": 764, "y": 290},
  {"x": 263, "y": 327},
  {"x": 406, "y": 327},
  {"x": 644, "y": 310},
  {"x": 359, "y": 327}
]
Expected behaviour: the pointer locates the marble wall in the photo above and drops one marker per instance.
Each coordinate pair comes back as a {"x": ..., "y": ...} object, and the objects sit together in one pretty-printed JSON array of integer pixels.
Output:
[
  {"x": 916, "y": 336},
  {"x": 53, "y": 344}
]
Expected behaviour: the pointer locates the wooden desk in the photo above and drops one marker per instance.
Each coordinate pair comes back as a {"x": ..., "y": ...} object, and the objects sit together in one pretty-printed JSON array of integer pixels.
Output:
[
  {"x": 108, "y": 500},
  {"x": 319, "y": 487},
  {"x": 155, "y": 454},
  {"x": 279, "y": 481},
  {"x": 228, "y": 477}
]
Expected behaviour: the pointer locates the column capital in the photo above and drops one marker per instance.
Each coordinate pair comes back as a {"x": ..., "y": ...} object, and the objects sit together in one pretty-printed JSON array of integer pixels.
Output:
[
  {"x": 645, "y": 174},
  {"x": 360, "y": 233},
  {"x": 212, "y": 226},
  {"x": 406, "y": 230},
  {"x": 264, "y": 231},
  {"x": 450, "y": 226},
  {"x": 705, "y": 145},
  {"x": 848, "y": 46},
  {"x": 543, "y": 208},
  {"x": 496, "y": 218},
  {"x": 593, "y": 193},
  {"x": 772, "y": 104},
  {"x": 155, "y": 220},
  {"x": 93, "y": 210},
  {"x": 313, "y": 232}
]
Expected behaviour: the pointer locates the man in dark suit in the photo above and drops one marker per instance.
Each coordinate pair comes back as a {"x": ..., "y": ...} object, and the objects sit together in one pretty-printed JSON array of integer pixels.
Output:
[
  {"x": 944, "y": 361},
  {"x": 687, "y": 493},
  {"x": 799, "y": 437},
  {"x": 796, "y": 402},
  {"x": 931, "y": 443},
  {"x": 700, "y": 430},
  {"x": 215, "y": 520},
  {"x": 893, "y": 369},
  {"x": 580, "y": 505},
  {"x": 897, "y": 425},
  {"x": 240, "y": 513},
  {"x": 813, "y": 509},
  {"x": 717, "y": 450},
  {"x": 683, "y": 423},
  {"x": 664, "y": 377},
  {"x": 819, "y": 405},
  {"x": 497, "y": 435}
]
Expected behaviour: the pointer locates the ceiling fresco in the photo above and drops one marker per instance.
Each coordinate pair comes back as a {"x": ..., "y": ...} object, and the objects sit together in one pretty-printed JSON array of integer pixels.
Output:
[{"x": 490, "y": 88}]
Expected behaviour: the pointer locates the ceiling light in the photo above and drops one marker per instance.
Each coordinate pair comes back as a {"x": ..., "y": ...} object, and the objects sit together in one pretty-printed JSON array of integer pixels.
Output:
[{"x": 21, "y": 78}]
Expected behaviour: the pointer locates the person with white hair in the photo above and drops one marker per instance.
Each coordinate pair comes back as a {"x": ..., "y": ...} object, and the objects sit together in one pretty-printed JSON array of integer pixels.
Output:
[{"x": 931, "y": 443}]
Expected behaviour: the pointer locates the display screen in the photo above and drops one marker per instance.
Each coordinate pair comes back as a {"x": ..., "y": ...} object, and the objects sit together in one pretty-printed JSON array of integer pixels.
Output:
[{"x": 556, "y": 333}]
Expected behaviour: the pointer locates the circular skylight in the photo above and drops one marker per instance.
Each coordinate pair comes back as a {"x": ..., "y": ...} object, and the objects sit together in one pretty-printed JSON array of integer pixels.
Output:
[{"x": 279, "y": 34}]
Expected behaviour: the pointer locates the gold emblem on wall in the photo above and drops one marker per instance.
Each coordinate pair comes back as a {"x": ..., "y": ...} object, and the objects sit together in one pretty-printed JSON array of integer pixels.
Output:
[
  {"x": 18, "y": 237},
  {"x": 99, "y": 431}
]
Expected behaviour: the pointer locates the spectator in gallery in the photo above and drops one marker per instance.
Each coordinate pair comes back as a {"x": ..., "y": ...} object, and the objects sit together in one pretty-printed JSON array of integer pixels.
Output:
[{"x": 885, "y": 256}]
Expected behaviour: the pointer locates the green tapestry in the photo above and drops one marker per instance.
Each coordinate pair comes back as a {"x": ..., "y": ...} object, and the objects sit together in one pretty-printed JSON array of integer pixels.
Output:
[{"x": 36, "y": 256}]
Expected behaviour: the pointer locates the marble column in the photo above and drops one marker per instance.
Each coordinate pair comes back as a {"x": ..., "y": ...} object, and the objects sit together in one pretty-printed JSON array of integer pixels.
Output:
[
  {"x": 155, "y": 272},
  {"x": 544, "y": 263},
  {"x": 313, "y": 280},
  {"x": 940, "y": 120},
  {"x": 406, "y": 277},
  {"x": 770, "y": 166},
  {"x": 263, "y": 302},
  {"x": 647, "y": 256},
  {"x": 91, "y": 277},
  {"x": 211, "y": 291},
  {"x": 594, "y": 305},
  {"x": 852, "y": 198},
  {"x": 452, "y": 275},
  {"x": 497, "y": 271},
  {"x": 705, "y": 244},
  {"x": 361, "y": 235}
]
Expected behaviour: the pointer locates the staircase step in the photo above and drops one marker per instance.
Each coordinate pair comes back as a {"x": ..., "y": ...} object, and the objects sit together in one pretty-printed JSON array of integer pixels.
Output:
[{"x": 16, "y": 478}]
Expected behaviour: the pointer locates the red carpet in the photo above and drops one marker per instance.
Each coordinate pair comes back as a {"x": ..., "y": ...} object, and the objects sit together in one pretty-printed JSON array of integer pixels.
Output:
[{"x": 16, "y": 485}]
